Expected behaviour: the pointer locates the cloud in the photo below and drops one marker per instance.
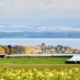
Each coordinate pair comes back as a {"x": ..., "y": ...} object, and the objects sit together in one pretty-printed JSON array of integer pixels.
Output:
[
  {"x": 40, "y": 8},
  {"x": 48, "y": 4},
  {"x": 15, "y": 28}
]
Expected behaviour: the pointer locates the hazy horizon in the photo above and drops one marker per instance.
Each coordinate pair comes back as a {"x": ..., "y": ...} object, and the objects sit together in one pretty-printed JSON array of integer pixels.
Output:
[
  {"x": 48, "y": 41},
  {"x": 43, "y": 12}
]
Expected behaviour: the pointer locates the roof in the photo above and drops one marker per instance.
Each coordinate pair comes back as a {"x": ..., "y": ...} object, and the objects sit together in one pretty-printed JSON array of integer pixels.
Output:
[{"x": 75, "y": 58}]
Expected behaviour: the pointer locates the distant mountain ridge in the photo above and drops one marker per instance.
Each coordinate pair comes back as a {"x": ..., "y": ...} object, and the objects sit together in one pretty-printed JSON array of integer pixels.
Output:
[
  {"x": 17, "y": 31},
  {"x": 39, "y": 34},
  {"x": 37, "y": 28}
]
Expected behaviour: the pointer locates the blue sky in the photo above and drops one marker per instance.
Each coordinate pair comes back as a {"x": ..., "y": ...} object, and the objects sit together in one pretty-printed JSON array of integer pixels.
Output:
[{"x": 40, "y": 12}]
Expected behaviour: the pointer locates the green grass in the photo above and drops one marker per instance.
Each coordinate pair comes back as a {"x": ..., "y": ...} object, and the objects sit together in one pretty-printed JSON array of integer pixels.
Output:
[
  {"x": 33, "y": 60},
  {"x": 38, "y": 63}
]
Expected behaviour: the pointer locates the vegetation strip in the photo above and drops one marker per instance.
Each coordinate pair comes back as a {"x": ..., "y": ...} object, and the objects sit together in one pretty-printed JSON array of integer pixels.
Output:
[
  {"x": 42, "y": 74},
  {"x": 41, "y": 66},
  {"x": 37, "y": 49},
  {"x": 35, "y": 60}
]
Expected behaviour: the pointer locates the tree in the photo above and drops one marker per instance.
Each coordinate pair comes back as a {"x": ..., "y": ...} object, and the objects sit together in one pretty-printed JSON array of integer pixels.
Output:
[
  {"x": 67, "y": 48},
  {"x": 43, "y": 46},
  {"x": 1, "y": 50},
  {"x": 9, "y": 46},
  {"x": 51, "y": 50},
  {"x": 6, "y": 49},
  {"x": 70, "y": 49},
  {"x": 59, "y": 47},
  {"x": 29, "y": 49},
  {"x": 10, "y": 49},
  {"x": 37, "y": 47},
  {"x": 19, "y": 49}
]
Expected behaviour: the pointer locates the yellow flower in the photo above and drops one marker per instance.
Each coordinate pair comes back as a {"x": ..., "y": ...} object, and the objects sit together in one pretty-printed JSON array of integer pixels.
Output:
[{"x": 50, "y": 74}]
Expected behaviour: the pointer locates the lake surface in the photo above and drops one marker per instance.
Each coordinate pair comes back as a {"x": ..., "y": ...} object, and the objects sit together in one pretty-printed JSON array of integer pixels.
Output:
[{"x": 75, "y": 42}]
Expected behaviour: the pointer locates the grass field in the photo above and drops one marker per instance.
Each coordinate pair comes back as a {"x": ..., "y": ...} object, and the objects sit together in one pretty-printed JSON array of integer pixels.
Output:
[
  {"x": 39, "y": 63},
  {"x": 35, "y": 60}
]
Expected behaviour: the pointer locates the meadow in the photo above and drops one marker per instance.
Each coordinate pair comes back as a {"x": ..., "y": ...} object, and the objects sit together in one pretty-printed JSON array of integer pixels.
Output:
[
  {"x": 37, "y": 62},
  {"x": 38, "y": 68}
]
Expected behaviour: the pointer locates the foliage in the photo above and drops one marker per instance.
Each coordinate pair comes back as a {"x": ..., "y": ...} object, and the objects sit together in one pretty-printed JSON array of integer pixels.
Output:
[
  {"x": 19, "y": 49},
  {"x": 43, "y": 48},
  {"x": 1, "y": 50},
  {"x": 29, "y": 49},
  {"x": 35, "y": 74},
  {"x": 52, "y": 50},
  {"x": 6, "y": 49}
]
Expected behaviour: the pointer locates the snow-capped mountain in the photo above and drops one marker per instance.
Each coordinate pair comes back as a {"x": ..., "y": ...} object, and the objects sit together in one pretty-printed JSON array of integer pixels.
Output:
[
  {"x": 38, "y": 28},
  {"x": 17, "y": 31}
]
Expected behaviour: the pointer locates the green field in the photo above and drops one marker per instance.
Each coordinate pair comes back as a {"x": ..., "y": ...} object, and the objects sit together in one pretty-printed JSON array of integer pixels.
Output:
[{"x": 36, "y": 62}]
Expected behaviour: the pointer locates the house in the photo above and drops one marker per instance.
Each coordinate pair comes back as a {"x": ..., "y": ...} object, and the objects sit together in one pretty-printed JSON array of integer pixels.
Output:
[{"x": 37, "y": 51}]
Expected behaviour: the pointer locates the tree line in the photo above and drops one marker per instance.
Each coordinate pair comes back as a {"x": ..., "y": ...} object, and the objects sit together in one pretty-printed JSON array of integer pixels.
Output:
[{"x": 39, "y": 48}]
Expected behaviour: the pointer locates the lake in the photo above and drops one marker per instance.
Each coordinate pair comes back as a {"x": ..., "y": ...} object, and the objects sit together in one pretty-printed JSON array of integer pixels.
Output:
[{"x": 72, "y": 42}]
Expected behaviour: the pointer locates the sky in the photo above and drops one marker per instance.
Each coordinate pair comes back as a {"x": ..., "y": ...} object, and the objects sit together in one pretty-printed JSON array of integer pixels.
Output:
[
  {"x": 48, "y": 41},
  {"x": 40, "y": 12}
]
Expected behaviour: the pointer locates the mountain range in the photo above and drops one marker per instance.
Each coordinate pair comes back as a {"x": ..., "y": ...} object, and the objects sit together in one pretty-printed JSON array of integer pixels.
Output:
[
  {"x": 39, "y": 31},
  {"x": 37, "y": 28}
]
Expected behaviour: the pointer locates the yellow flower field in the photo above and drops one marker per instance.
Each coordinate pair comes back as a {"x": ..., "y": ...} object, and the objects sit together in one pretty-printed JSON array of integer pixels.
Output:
[{"x": 34, "y": 74}]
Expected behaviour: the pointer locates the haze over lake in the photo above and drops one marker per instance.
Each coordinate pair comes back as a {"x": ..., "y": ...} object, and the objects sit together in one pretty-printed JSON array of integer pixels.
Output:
[{"x": 75, "y": 43}]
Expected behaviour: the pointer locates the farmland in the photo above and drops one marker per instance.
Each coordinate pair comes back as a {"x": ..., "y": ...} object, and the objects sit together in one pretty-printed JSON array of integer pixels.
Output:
[
  {"x": 37, "y": 62},
  {"x": 34, "y": 60},
  {"x": 33, "y": 68},
  {"x": 37, "y": 68},
  {"x": 40, "y": 74}
]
